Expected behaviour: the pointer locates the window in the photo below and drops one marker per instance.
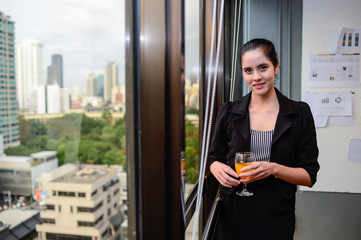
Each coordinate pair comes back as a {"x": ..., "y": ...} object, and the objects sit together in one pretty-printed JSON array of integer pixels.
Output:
[
  {"x": 116, "y": 191},
  {"x": 50, "y": 207},
  {"x": 66, "y": 194},
  {"x": 81, "y": 194},
  {"x": 94, "y": 193},
  {"x": 48, "y": 220},
  {"x": 85, "y": 224}
]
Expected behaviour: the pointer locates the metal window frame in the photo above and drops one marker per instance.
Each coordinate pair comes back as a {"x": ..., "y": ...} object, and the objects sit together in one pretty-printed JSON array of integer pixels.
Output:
[{"x": 154, "y": 60}]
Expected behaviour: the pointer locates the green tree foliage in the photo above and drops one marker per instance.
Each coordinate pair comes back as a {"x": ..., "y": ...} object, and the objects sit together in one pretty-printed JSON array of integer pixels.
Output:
[
  {"x": 192, "y": 152},
  {"x": 107, "y": 117},
  {"x": 76, "y": 138}
]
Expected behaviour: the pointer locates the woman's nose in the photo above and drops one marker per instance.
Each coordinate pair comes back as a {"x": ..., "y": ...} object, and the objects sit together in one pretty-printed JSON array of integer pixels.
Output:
[{"x": 256, "y": 76}]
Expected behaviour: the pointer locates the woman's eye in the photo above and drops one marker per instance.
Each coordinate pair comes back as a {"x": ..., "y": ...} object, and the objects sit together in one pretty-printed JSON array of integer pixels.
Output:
[
  {"x": 247, "y": 70},
  {"x": 263, "y": 68}
]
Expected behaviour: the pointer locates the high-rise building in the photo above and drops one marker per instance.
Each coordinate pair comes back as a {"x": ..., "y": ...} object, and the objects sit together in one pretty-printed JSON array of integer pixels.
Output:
[
  {"x": 55, "y": 71},
  {"x": 83, "y": 203},
  {"x": 9, "y": 126},
  {"x": 99, "y": 89},
  {"x": 110, "y": 79},
  {"x": 28, "y": 70},
  {"x": 91, "y": 85}
]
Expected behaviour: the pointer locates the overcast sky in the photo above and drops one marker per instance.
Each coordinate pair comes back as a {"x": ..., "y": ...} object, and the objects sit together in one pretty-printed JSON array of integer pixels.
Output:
[{"x": 87, "y": 33}]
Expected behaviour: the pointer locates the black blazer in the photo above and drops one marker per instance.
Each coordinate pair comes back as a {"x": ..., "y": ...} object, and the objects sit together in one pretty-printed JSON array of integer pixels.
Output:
[{"x": 294, "y": 141}]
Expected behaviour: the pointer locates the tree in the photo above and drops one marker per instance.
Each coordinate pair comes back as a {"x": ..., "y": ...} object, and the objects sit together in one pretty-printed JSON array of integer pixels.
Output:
[{"x": 107, "y": 117}]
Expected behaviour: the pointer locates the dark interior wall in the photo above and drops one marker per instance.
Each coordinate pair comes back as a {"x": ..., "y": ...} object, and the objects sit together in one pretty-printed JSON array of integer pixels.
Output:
[{"x": 325, "y": 215}]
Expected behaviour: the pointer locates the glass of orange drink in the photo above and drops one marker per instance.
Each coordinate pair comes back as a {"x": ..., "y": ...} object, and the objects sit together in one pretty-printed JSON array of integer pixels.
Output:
[{"x": 243, "y": 159}]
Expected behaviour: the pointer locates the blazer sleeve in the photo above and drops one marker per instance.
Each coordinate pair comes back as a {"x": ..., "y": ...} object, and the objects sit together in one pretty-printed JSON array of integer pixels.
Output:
[
  {"x": 307, "y": 151},
  {"x": 219, "y": 146}
]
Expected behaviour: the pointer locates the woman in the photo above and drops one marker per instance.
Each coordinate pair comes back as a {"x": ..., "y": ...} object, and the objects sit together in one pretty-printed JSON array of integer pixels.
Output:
[{"x": 281, "y": 134}]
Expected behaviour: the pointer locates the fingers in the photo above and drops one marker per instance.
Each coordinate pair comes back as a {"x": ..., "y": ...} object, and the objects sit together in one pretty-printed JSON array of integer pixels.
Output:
[
  {"x": 223, "y": 173},
  {"x": 260, "y": 170}
]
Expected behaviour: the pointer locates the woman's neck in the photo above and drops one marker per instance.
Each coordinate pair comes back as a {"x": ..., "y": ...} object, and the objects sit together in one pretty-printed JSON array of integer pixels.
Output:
[{"x": 264, "y": 101}]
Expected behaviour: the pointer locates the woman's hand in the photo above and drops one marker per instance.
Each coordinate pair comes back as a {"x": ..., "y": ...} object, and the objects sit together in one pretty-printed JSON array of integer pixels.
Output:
[
  {"x": 297, "y": 176},
  {"x": 260, "y": 170},
  {"x": 224, "y": 174}
]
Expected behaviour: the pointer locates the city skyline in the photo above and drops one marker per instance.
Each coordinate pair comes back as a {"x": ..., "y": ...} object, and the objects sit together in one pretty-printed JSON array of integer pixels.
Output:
[{"x": 87, "y": 35}]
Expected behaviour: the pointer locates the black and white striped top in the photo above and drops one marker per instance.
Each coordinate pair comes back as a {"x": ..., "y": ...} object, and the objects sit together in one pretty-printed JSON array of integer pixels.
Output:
[{"x": 261, "y": 144}]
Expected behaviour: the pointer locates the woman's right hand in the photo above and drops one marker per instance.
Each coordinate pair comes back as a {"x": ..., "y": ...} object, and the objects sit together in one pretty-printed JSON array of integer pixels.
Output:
[{"x": 223, "y": 173}]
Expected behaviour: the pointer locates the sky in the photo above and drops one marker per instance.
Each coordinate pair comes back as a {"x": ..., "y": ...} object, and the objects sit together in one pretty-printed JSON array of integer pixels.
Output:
[{"x": 87, "y": 33}]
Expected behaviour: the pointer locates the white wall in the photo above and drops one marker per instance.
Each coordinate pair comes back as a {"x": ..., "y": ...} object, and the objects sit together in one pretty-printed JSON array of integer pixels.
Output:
[{"x": 322, "y": 24}]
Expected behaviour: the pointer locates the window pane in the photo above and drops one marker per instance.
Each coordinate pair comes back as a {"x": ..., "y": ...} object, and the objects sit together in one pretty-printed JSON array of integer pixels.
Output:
[
  {"x": 191, "y": 92},
  {"x": 62, "y": 107}
]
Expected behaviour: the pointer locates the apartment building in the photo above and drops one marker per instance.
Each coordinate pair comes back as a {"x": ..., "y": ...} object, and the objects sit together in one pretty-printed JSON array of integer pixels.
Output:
[
  {"x": 83, "y": 202},
  {"x": 18, "y": 173}
]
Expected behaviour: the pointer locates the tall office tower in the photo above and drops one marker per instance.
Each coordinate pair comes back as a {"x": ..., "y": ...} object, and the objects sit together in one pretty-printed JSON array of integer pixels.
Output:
[
  {"x": 110, "y": 79},
  {"x": 55, "y": 71},
  {"x": 28, "y": 69},
  {"x": 91, "y": 85},
  {"x": 82, "y": 203},
  {"x": 100, "y": 85},
  {"x": 9, "y": 126},
  {"x": 65, "y": 100}
]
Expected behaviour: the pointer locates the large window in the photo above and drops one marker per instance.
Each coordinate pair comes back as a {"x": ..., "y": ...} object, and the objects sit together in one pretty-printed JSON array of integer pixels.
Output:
[{"x": 68, "y": 62}]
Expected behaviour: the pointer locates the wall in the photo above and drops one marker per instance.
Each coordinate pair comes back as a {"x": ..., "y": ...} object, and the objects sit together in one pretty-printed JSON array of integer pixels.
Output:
[{"x": 331, "y": 209}]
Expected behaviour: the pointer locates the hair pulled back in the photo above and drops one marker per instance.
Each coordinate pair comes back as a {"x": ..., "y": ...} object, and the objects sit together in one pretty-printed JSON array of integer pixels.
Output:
[{"x": 267, "y": 47}]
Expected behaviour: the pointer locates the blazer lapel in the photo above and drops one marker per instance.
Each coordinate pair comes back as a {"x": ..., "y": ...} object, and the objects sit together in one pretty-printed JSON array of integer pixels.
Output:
[
  {"x": 241, "y": 118},
  {"x": 283, "y": 121}
]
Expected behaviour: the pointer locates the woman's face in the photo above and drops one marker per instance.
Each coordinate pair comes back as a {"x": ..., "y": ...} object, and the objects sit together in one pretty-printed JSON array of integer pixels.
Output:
[{"x": 258, "y": 72}]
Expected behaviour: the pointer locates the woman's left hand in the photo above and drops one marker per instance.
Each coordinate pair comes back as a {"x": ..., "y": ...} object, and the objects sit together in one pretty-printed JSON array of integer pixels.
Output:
[{"x": 260, "y": 170}]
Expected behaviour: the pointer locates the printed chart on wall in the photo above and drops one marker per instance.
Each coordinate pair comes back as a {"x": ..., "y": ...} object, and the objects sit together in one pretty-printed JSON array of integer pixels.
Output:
[
  {"x": 331, "y": 108},
  {"x": 334, "y": 70},
  {"x": 349, "y": 41}
]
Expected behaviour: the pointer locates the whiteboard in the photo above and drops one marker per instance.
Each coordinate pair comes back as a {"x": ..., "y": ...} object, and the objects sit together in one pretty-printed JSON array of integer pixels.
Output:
[{"x": 323, "y": 21}]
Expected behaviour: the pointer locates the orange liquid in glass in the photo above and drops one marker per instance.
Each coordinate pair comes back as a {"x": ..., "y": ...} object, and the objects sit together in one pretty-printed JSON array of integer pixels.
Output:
[{"x": 239, "y": 166}]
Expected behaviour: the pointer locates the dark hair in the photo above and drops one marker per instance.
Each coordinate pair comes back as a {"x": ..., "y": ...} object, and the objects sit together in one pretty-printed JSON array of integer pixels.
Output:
[{"x": 266, "y": 45}]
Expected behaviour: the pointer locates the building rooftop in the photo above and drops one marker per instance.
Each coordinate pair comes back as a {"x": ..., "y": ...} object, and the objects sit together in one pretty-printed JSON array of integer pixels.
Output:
[
  {"x": 14, "y": 217},
  {"x": 88, "y": 174},
  {"x": 43, "y": 154},
  {"x": 18, "y": 223},
  {"x": 15, "y": 162}
]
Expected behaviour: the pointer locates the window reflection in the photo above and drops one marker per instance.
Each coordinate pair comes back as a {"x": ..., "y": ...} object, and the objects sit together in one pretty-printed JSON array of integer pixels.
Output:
[{"x": 62, "y": 107}]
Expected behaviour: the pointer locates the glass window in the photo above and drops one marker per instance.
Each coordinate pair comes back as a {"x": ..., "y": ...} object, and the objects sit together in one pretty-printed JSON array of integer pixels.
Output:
[{"x": 192, "y": 75}]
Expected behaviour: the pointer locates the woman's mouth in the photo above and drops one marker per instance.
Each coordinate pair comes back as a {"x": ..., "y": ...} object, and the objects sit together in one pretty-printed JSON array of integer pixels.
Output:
[{"x": 259, "y": 85}]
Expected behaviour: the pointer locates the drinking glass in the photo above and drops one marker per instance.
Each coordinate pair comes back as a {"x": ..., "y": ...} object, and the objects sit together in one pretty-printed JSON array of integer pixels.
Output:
[{"x": 243, "y": 159}]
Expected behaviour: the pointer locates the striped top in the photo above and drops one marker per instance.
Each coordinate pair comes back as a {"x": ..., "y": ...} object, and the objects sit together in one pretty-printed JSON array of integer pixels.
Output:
[{"x": 261, "y": 144}]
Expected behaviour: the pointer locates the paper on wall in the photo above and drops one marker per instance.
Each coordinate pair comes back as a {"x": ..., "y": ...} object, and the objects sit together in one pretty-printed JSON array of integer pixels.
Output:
[
  {"x": 334, "y": 70},
  {"x": 331, "y": 108},
  {"x": 354, "y": 150},
  {"x": 349, "y": 41}
]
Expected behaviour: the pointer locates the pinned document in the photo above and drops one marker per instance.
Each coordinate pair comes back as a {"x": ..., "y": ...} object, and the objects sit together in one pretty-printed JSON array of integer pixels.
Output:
[
  {"x": 354, "y": 150},
  {"x": 330, "y": 70},
  {"x": 349, "y": 41}
]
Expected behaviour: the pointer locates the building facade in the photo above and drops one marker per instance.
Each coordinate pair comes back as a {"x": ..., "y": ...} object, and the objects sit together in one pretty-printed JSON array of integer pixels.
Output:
[
  {"x": 28, "y": 69},
  {"x": 55, "y": 71},
  {"x": 110, "y": 79},
  {"x": 83, "y": 203},
  {"x": 18, "y": 173},
  {"x": 91, "y": 85},
  {"x": 9, "y": 124}
]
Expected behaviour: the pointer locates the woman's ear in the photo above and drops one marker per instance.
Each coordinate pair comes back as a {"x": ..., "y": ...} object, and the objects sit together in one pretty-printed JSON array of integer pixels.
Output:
[{"x": 277, "y": 67}]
